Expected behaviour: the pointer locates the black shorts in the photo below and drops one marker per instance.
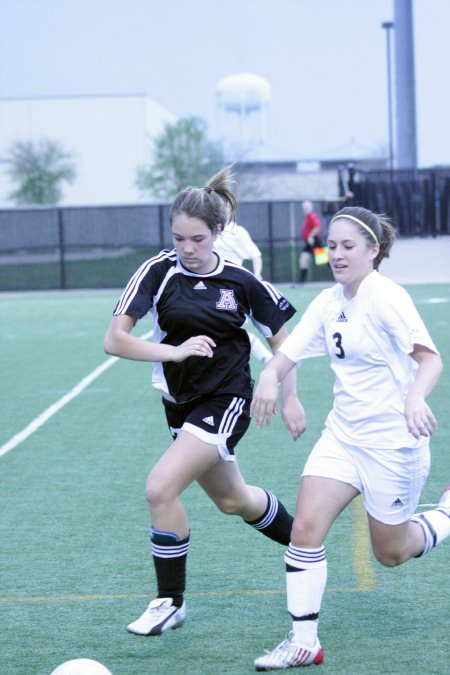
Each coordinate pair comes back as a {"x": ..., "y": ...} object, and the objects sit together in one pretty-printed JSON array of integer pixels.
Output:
[
  {"x": 221, "y": 420},
  {"x": 308, "y": 248}
]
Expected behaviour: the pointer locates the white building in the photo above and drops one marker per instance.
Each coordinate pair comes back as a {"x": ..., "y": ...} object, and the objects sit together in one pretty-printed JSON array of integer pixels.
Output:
[{"x": 109, "y": 135}]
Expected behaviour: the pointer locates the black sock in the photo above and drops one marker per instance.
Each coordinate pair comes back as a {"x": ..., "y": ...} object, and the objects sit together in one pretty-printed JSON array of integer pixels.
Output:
[
  {"x": 169, "y": 557},
  {"x": 275, "y": 522}
]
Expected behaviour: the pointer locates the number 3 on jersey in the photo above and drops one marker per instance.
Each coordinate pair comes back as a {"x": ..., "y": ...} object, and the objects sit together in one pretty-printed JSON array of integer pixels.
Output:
[{"x": 337, "y": 337}]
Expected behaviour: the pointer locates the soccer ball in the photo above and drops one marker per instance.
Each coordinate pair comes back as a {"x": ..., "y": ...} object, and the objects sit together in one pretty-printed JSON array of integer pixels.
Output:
[{"x": 81, "y": 667}]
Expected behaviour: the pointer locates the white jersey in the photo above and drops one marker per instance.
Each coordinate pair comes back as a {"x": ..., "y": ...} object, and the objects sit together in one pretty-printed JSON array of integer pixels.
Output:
[
  {"x": 369, "y": 340},
  {"x": 235, "y": 244}
]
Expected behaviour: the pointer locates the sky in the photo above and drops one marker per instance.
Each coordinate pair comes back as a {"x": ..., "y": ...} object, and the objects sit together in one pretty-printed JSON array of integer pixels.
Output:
[{"x": 324, "y": 60}]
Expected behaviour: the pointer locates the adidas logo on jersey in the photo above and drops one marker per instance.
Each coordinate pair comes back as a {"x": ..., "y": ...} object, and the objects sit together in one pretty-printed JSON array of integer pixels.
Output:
[
  {"x": 398, "y": 502},
  {"x": 209, "y": 420},
  {"x": 342, "y": 317},
  {"x": 200, "y": 286}
]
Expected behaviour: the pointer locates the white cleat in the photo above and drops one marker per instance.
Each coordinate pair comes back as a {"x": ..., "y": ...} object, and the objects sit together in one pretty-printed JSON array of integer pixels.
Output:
[
  {"x": 290, "y": 654},
  {"x": 159, "y": 616}
]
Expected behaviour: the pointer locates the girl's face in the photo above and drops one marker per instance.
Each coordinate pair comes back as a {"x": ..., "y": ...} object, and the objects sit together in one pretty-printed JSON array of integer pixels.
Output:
[
  {"x": 194, "y": 241},
  {"x": 350, "y": 254}
]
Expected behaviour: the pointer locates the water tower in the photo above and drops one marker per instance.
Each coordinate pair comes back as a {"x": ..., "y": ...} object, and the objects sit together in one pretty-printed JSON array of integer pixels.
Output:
[{"x": 243, "y": 100}]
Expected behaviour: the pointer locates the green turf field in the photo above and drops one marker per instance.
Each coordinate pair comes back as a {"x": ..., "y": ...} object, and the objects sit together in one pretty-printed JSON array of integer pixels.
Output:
[{"x": 75, "y": 560}]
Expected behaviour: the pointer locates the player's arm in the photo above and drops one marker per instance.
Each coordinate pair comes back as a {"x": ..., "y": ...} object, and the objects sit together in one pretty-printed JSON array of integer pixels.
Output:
[
  {"x": 313, "y": 234},
  {"x": 280, "y": 369},
  {"x": 419, "y": 417},
  {"x": 257, "y": 266},
  {"x": 120, "y": 342}
]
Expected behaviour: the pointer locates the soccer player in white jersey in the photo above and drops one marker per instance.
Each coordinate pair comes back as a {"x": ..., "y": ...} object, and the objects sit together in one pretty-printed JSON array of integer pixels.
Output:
[
  {"x": 200, "y": 303},
  {"x": 376, "y": 437}
]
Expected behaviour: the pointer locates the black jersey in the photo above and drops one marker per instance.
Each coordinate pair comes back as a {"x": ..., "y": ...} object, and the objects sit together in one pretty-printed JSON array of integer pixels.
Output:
[{"x": 217, "y": 304}]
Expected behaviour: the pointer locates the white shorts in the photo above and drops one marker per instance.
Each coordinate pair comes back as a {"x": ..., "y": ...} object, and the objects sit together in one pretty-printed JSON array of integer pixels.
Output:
[{"x": 390, "y": 480}]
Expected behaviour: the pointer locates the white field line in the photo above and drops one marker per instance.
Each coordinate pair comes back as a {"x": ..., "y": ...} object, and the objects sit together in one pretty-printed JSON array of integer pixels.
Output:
[{"x": 53, "y": 409}]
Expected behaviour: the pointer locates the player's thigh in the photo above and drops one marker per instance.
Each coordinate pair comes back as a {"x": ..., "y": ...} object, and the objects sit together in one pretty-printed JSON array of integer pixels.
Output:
[
  {"x": 305, "y": 258},
  {"x": 391, "y": 543},
  {"x": 320, "y": 500},
  {"x": 183, "y": 462},
  {"x": 224, "y": 481}
]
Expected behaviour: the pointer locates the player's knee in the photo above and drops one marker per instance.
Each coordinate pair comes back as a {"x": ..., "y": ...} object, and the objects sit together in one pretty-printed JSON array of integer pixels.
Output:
[
  {"x": 228, "y": 505},
  {"x": 155, "y": 491},
  {"x": 389, "y": 558},
  {"x": 303, "y": 532}
]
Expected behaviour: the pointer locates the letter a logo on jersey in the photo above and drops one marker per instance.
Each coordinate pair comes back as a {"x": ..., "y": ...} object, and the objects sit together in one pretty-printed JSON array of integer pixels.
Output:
[{"x": 227, "y": 300}]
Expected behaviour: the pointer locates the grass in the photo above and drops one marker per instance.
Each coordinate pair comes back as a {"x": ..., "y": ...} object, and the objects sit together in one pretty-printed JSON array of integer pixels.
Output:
[{"x": 75, "y": 561}]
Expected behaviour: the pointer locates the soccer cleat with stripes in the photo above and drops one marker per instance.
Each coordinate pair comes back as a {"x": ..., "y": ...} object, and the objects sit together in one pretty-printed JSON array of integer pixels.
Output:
[
  {"x": 290, "y": 654},
  {"x": 444, "y": 502},
  {"x": 160, "y": 615}
]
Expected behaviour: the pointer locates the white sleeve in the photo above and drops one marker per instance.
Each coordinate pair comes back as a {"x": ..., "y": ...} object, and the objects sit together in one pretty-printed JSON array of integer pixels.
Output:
[
  {"x": 400, "y": 319},
  {"x": 307, "y": 339},
  {"x": 246, "y": 245}
]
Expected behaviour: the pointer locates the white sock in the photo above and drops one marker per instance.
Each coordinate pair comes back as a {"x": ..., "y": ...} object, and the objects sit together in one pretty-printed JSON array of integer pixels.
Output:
[
  {"x": 306, "y": 578},
  {"x": 259, "y": 350},
  {"x": 435, "y": 525}
]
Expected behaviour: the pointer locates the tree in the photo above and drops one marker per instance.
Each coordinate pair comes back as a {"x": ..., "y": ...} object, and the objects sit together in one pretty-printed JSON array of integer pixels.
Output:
[
  {"x": 183, "y": 157},
  {"x": 38, "y": 169}
]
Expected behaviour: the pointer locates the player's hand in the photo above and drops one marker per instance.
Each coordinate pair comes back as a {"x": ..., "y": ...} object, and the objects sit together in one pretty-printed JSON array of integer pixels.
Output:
[
  {"x": 294, "y": 417},
  {"x": 264, "y": 402},
  {"x": 419, "y": 417},
  {"x": 200, "y": 345}
]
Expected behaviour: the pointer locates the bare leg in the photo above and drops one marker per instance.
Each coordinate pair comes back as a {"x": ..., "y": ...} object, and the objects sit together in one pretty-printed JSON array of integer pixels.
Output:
[
  {"x": 225, "y": 485},
  {"x": 261, "y": 509},
  {"x": 304, "y": 263},
  {"x": 184, "y": 461},
  {"x": 395, "y": 544},
  {"x": 319, "y": 502}
]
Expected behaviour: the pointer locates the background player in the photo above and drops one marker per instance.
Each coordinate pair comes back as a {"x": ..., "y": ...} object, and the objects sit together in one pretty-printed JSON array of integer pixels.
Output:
[
  {"x": 235, "y": 243},
  {"x": 200, "y": 304},
  {"x": 376, "y": 437}
]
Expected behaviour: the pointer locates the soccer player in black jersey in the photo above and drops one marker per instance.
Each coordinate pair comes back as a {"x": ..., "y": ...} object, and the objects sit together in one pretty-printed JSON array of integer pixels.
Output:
[{"x": 200, "y": 303}]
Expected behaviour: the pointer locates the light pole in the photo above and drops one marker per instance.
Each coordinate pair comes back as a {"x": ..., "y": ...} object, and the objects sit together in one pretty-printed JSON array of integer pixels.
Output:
[{"x": 388, "y": 26}]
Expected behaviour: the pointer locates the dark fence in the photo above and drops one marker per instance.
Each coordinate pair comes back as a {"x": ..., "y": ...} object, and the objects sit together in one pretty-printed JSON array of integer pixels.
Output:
[
  {"x": 417, "y": 201},
  {"x": 100, "y": 247}
]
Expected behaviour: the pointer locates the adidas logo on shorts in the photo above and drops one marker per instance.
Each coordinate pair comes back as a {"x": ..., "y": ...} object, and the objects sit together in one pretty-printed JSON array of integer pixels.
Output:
[
  {"x": 209, "y": 420},
  {"x": 398, "y": 502}
]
